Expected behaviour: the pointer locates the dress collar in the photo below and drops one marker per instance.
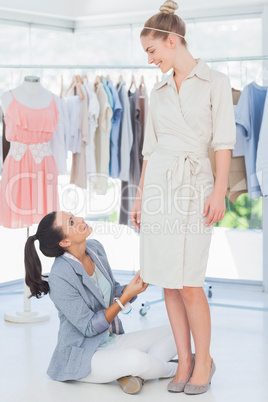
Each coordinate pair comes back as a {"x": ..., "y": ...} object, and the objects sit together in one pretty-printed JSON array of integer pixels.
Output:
[{"x": 200, "y": 70}]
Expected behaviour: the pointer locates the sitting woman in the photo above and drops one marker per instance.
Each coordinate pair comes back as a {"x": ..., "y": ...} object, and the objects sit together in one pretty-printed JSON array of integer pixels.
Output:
[{"x": 92, "y": 346}]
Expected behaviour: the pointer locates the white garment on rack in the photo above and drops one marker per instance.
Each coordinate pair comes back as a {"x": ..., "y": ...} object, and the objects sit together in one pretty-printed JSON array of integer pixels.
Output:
[
  {"x": 78, "y": 172},
  {"x": 102, "y": 141},
  {"x": 74, "y": 105},
  {"x": 61, "y": 137},
  {"x": 93, "y": 115}
]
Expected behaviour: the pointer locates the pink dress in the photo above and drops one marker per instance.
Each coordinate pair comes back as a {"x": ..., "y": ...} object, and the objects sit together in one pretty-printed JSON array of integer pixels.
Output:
[{"x": 28, "y": 189}]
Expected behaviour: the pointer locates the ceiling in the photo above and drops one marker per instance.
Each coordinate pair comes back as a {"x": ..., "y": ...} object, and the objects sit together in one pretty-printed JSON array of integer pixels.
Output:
[{"x": 130, "y": 10}]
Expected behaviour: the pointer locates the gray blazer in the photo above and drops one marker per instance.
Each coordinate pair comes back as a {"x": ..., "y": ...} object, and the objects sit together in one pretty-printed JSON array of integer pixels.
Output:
[{"x": 81, "y": 311}]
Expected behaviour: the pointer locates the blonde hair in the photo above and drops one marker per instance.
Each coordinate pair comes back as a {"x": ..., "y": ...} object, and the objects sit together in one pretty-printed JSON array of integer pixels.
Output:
[{"x": 165, "y": 20}]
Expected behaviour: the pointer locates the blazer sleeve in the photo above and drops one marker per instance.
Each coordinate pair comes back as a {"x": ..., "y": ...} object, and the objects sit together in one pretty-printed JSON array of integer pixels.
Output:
[
  {"x": 223, "y": 120},
  {"x": 71, "y": 304}
]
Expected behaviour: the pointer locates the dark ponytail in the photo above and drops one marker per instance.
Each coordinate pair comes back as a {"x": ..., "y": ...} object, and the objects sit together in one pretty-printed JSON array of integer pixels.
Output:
[{"x": 49, "y": 237}]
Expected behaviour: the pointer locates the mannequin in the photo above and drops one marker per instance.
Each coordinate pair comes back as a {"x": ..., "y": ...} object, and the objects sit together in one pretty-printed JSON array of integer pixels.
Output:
[
  {"x": 30, "y": 93},
  {"x": 28, "y": 189}
]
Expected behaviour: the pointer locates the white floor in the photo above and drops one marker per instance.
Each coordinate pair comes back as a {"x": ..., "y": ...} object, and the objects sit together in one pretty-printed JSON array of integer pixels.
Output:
[{"x": 239, "y": 348}]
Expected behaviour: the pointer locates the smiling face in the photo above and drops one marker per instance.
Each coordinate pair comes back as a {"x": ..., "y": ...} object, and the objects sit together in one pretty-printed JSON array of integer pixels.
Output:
[
  {"x": 160, "y": 52},
  {"x": 74, "y": 228}
]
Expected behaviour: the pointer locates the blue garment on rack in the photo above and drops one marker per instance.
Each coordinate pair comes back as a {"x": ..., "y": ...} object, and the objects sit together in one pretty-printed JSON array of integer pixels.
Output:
[
  {"x": 262, "y": 160},
  {"x": 239, "y": 148},
  {"x": 114, "y": 165},
  {"x": 109, "y": 93},
  {"x": 249, "y": 114}
]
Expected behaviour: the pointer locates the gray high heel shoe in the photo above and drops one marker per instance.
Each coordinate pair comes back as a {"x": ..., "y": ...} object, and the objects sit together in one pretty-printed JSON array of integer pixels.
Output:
[
  {"x": 192, "y": 389},
  {"x": 179, "y": 386}
]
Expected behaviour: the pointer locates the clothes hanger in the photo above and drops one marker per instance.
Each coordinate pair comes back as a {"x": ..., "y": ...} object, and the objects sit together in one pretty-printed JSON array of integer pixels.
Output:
[
  {"x": 133, "y": 82},
  {"x": 142, "y": 83},
  {"x": 75, "y": 85},
  {"x": 97, "y": 81},
  {"x": 142, "y": 87},
  {"x": 120, "y": 80},
  {"x": 79, "y": 79},
  {"x": 70, "y": 87}
]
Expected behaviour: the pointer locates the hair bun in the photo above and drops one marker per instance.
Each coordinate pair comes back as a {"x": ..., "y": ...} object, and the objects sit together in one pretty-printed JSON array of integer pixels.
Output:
[{"x": 169, "y": 7}]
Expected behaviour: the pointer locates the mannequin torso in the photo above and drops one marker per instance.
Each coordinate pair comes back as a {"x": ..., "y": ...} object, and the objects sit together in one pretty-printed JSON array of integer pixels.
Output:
[{"x": 30, "y": 94}]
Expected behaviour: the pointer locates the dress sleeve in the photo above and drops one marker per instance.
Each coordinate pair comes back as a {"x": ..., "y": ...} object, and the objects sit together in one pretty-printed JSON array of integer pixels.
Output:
[
  {"x": 223, "y": 121},
  {"x": 150, "y": 136}
]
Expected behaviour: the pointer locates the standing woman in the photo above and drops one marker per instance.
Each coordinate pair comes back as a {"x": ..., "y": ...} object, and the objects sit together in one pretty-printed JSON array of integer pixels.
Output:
[{"x": 177, "y": 200}]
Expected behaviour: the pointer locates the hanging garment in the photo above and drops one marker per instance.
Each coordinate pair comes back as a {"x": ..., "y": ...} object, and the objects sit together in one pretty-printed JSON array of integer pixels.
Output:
[
  {"x": 114, "y": 165},
  {"x": 249, "y": 114},
  {"x": 109, "y": 93},
  {"x": 78, "y": 171},
  {"x": 262, "y": 152},
  {"x": 237, "y": 178},
  {"x": 29, "y": 178},
  {"x": 2, "y": 139},
  {"x": 181, "y": 127},
  {"x": 5, "y": 143},
  {"x": 73, "y": 103},
  {"x": 236, "y": 95},
  {"x": 93, "y": 115},
  {"x": 126, "y": 134},
  {"x": 129, "y": 189},
  {"x": 143, "y": 99},
  {"x": 61, "y": 137},
  {"x": 102, "y": 141},
  {"x": 239, "y": 149}
]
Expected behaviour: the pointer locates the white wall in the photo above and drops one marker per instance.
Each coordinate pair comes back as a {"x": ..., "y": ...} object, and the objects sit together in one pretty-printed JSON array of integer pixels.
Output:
[
  {"x": 73, "y": 9},
  {"x": 49, "y": 7}
]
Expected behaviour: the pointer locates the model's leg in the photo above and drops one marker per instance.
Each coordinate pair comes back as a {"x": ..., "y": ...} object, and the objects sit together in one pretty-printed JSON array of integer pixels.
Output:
[
  {"x": 198, "y": 314},
  {"x": 181, "y": 331}
]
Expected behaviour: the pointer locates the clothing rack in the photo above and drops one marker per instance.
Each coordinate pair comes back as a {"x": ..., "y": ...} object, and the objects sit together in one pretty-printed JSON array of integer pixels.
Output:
[{"x": 147, "y": 67}]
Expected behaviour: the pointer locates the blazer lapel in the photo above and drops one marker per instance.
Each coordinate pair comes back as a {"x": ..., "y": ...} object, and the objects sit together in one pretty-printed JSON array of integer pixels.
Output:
[
  {"x": 79, "y": 269},
  {"x": 98, "y": 260}
]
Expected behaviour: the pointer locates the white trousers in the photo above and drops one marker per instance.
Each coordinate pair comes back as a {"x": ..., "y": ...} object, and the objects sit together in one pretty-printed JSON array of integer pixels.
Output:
[{"x": 144, "y": 353}]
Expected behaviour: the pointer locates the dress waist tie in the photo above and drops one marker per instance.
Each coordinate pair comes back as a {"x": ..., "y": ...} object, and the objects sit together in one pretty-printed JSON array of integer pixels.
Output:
[{"x": 182, "y": 171}]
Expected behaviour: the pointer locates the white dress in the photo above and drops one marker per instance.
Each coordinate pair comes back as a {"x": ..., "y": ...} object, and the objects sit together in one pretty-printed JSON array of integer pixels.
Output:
[{"x": 178, "y": 178}]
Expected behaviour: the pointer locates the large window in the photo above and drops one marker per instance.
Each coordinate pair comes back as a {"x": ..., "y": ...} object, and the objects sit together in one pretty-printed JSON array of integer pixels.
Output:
[{"x": 237, "y": 238}]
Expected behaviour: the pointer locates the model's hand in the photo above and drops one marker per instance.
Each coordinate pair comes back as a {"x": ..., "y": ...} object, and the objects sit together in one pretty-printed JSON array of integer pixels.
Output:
[
  {"x": 135, "y": 214},
  {"x": 135, "y": 286},
  {"x": 214, "y": 207}
]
